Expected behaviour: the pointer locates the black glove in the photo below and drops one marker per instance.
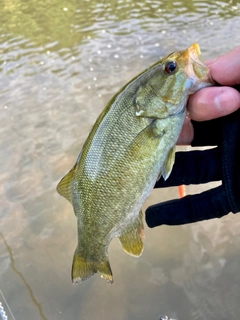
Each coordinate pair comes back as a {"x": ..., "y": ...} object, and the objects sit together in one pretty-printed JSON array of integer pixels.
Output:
[{"x": 195, "y": 167}]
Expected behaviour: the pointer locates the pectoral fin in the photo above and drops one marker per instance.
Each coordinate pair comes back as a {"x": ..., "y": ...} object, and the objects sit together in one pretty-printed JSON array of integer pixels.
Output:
[
  {"x": 159, "y": 175},
  {"x": 132, "y": 237},
  {"x": 168, "y": 163}
]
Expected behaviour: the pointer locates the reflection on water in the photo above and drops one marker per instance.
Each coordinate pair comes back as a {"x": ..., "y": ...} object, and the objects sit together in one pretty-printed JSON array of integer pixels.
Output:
[
  {"x": 60, "y": 63},
  {"x": 39, "y": 307}
]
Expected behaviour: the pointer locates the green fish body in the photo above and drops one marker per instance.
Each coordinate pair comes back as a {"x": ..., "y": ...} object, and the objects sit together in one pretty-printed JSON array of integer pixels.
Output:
[{"x": 131, "y": 145}]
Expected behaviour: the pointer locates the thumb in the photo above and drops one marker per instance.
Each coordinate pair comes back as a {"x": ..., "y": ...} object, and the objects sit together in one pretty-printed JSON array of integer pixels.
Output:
[{"x": 213, "y": 102}]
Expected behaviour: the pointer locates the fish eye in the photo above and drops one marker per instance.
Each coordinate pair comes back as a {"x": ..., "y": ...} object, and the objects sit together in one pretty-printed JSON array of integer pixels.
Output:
[{"x": 170, "y": 67}]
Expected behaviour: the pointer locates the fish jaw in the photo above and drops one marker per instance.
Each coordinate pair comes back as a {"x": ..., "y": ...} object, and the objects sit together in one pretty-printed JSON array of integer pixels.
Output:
[{"x": 196, "y": 70}]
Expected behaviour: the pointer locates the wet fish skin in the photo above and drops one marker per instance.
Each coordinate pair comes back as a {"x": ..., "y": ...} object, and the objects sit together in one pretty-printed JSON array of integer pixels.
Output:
[{"x": 130, "y": 146}]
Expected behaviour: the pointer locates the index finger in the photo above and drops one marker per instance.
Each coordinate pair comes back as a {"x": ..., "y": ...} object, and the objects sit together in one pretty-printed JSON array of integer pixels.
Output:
[{"x": 226, "y": 68}]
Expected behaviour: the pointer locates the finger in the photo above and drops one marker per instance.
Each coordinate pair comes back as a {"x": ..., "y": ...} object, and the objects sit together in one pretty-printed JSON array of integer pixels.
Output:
[
  {"x": 226, "y": 69},
  {"x": 194, "y": 167},
  {"x": 213, "y": 102},
  {"x": 207, "y": 205},
  {"x": 187, "y": 133}
]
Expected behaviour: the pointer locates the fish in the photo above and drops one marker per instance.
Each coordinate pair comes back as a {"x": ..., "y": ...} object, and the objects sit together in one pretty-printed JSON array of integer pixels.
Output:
[{"x": 131, "y": 145}]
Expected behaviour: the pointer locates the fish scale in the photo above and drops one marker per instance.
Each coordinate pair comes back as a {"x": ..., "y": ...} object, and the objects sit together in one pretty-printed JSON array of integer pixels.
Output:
[{"x": 129, "y": 147}]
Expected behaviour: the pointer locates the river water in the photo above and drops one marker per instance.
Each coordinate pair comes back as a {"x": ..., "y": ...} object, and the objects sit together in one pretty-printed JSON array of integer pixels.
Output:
[{"x": 60, "y": 63}]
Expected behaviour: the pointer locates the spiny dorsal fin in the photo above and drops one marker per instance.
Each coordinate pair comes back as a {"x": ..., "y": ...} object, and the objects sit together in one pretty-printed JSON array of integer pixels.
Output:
[{"x": 64, "y": 186}]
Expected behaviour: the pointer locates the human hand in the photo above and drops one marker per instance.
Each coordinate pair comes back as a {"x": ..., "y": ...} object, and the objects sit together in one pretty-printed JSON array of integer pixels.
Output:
[
  {"x": 214, "y": 102},
  {"x": 220, "y": 163}
]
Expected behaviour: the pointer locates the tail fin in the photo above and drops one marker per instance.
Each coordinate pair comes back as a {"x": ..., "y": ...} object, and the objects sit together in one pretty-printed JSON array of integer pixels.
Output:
[{"x": 83, "y": 269}]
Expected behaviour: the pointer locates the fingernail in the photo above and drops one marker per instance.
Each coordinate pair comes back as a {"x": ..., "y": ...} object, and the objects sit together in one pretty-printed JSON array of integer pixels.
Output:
[
  {"x": 225, "y": 101},
  {"x": 220, "y": 102},
  {"x": 211, "y": 62}
]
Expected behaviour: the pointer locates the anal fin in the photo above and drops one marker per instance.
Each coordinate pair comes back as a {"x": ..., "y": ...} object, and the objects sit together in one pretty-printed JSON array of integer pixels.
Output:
[{"x": 132, "y": 237}]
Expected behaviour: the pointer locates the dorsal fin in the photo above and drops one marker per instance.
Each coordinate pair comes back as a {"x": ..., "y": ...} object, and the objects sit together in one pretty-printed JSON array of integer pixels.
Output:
[{"x": 64, "y": 186}]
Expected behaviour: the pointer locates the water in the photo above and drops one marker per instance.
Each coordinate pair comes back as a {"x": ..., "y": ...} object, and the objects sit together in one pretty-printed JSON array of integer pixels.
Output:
[{"x": 60, "y": 63}]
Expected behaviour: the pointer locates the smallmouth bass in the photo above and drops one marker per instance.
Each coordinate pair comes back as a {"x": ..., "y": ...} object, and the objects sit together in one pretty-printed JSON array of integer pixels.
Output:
[{"x": 131, "y": 145}]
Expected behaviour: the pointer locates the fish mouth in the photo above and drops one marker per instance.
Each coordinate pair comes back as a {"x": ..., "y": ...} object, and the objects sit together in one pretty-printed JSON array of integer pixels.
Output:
[
  {"x": 196, "y": 55},
  {"x": 196, "y": 47},
  {"x": 196, "y": 69}
]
